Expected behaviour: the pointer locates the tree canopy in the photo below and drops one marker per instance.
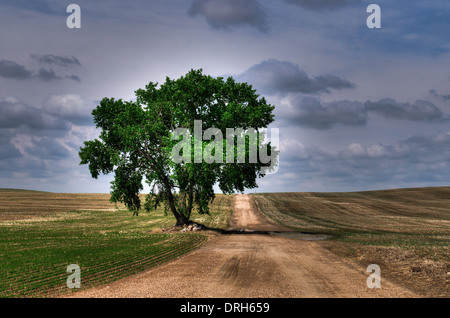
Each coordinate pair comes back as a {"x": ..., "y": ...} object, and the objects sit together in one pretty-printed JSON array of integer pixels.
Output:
[{"x": 138, "y": 142}]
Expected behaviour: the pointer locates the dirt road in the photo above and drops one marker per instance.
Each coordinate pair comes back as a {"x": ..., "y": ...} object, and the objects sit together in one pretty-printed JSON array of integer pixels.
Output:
[{"x": 250, "y": 265}]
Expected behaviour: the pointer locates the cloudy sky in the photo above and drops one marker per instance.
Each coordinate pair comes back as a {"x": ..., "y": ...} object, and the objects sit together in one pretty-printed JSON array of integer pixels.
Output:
[{"x": 357, "y": 108}]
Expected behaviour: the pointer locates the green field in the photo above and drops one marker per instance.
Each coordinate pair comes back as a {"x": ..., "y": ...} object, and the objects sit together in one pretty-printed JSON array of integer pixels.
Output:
[{"x": 35, "y": 250}]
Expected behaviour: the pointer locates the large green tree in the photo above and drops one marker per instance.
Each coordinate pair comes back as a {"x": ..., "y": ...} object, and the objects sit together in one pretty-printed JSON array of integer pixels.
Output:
[{"x": 137, "y": 142}]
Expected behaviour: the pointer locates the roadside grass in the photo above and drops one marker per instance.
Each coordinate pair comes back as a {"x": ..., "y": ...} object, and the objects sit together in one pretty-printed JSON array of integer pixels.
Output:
[
  {"x": 407, "y": 231},
  {"x": 37, "y": 247},
  {"x": 220, "y": 213}
]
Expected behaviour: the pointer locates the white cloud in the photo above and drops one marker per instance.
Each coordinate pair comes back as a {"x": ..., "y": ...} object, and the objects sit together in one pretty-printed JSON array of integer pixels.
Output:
[{"x": 71, "y": 107}]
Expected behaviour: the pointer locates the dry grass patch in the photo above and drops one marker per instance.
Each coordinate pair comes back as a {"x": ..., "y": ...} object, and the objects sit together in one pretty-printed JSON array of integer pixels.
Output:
[{"x": 405, "y": 231}]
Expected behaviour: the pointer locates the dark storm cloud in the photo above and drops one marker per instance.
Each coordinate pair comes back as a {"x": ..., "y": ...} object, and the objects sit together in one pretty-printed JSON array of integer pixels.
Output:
[
  {"x": 41, "y": 6},
  {"x": 7, "y": 150},
  {"x": 420, "y": 159},
  {"x": 223, "y": 14},
  {"x": 419, "y": 150},
  {"x": 313, "y": 113},
  {"x": 15, "y": 114},
  {"x": 274, "y": 76},
  {"x": 419, "y": 111},
  {"x": 50, "y": 75},
  {"x": 320, "y": 5},
  {"x": 438, "y": 144},
  {"x": 443, "y": 97},
  {"x": 310, "y": 112},
  {"x": 41, "y": 142},
  {"x": 10, "y": 69},
  {"x": 13, "y": 70},
  {"x": 47, "y": 75},
  {"x": 24, "y": 167},
  {"x": 64, "y": 61},
  {"x": 45, "y": 148}
]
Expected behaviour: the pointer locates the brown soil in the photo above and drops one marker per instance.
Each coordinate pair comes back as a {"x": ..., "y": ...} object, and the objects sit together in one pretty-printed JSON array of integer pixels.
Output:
[
  {"x": 31, "y": 205},
  {"x": 249, "y": 265}
]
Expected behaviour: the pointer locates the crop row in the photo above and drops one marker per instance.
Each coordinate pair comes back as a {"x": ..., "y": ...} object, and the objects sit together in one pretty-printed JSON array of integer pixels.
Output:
[{"x": 41, "y": 279}]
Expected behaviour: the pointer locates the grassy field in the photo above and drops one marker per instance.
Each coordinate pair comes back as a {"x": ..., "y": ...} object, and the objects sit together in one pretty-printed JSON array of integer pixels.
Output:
[
  {"x": 405, "y": 231},
  {"x": 43, "y": 233}
]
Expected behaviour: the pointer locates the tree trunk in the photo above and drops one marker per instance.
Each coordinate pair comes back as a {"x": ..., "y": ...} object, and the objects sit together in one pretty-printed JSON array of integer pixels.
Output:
[
  {"x": 181, "y": 220},
  {"x": 180, "y": 217}
]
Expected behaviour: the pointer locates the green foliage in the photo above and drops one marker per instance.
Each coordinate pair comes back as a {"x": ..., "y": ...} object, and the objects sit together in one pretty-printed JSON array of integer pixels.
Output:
[{"x": 136, "y": 142}]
